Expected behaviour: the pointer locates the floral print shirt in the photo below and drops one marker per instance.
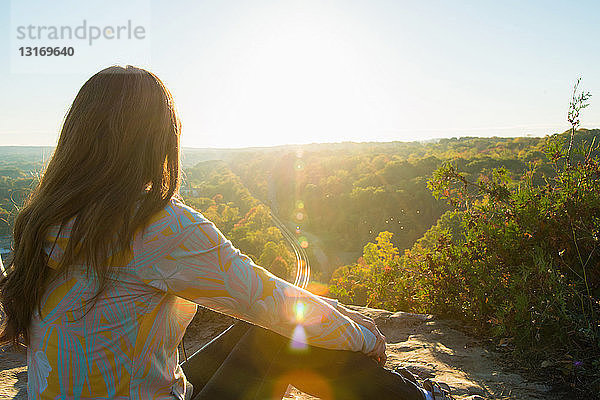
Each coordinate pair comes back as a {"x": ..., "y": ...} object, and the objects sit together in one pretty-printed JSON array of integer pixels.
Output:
[{"x": 124, "y": 346}]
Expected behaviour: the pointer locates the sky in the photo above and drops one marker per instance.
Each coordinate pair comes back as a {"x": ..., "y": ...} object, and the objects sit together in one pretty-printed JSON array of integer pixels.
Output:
[{"x": 264, "y": 73}]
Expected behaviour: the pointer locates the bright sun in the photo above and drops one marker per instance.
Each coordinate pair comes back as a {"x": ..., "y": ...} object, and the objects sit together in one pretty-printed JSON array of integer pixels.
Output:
[{"x": 286, "y": 77}]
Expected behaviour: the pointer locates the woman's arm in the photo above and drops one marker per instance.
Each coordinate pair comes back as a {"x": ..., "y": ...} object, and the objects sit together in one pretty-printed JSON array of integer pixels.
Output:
[{"x": 201, "y": 265}]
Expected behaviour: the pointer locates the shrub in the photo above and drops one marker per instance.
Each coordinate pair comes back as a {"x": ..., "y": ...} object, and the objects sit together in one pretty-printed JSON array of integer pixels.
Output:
[
  {"x": 527, "y": 262},
  {"x": 515, "y": 259}
]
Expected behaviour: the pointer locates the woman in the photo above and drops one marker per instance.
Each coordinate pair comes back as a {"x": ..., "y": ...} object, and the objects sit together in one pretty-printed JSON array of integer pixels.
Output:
[{"x": 109, "y": 267}]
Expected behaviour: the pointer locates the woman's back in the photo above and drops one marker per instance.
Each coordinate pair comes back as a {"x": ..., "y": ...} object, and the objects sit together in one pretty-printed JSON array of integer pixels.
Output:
[{"x": 123, "y": 345}]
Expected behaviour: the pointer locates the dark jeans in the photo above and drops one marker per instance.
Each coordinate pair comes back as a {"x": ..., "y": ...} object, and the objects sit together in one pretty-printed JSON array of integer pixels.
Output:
[{"x": 247, "y": 362}]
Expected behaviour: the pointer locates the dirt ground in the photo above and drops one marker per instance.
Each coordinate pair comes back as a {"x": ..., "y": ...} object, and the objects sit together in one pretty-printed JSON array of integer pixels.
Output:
[{"x": 428, "y": 347}]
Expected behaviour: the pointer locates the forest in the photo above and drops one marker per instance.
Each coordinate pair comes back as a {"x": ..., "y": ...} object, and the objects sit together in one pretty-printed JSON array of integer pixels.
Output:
[{"x": 500, "y": 233}]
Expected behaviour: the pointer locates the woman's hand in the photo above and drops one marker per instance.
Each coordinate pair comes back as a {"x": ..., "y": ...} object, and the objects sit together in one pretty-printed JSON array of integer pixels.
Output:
[{"x": 378, "y": 352}]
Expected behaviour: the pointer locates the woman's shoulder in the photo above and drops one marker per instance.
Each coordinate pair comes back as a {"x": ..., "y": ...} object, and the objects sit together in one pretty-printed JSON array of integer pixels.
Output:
[
  {"x": 175, "y": 223},
  {"x": 175, "y": 217},
  {"x": 184, "y": 214}
]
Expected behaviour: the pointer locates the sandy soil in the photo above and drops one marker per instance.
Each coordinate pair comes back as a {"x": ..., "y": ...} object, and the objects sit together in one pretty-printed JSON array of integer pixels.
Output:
[{"x": 428, "y": 347}]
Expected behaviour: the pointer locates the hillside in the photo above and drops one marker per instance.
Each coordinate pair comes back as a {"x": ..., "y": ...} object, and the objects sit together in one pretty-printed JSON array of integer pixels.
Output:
[{"x": 499, "y": 233}]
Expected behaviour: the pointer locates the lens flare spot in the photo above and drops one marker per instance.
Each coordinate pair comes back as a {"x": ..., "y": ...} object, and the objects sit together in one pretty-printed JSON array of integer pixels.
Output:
[
  {"x": 299, "y": 339},
  {"x": 311, "y": 383},
  {"x": 299, "y": 311},
  {"x": 299, "y": 216},
  {"x": 303, "y": 241},
  {"x": 299, "y": 204}
]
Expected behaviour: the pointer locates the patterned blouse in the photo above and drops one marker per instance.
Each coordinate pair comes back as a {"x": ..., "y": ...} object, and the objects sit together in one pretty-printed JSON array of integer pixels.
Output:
[{"x": 125, "y": 345}]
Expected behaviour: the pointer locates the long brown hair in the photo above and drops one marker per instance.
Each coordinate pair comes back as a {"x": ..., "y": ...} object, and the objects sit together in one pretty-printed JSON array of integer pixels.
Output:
[{"x": 115, "y": 165}]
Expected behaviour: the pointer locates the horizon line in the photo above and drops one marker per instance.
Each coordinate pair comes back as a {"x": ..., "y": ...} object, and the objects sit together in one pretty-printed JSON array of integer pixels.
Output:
[{"x": 434, "y": 139}]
